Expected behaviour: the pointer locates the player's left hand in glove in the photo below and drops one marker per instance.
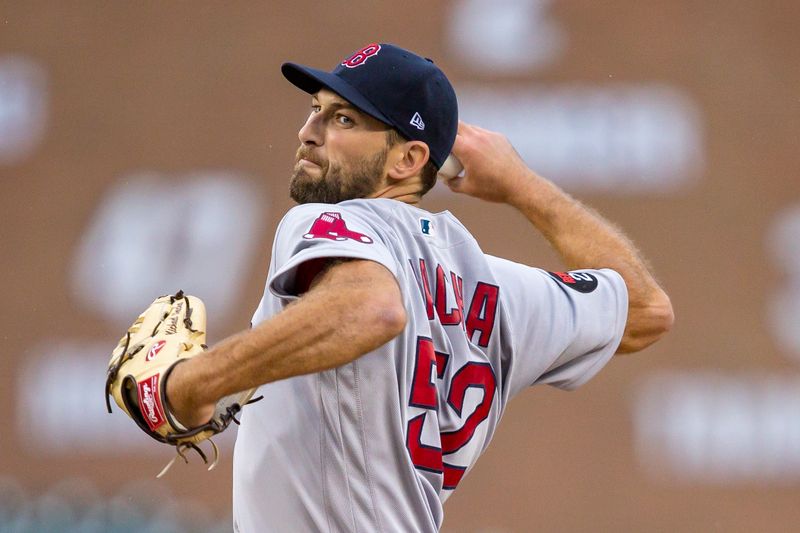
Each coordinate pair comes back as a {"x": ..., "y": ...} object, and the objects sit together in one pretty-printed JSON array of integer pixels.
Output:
[{"x": 167, "y": 333}]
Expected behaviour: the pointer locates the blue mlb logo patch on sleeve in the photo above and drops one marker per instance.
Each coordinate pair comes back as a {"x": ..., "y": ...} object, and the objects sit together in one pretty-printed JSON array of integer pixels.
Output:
[{"x": 426, "y": 226}]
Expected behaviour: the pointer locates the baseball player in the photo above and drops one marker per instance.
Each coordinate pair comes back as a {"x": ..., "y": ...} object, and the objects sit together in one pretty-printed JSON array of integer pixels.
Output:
[{"x": 387, "y": 343}]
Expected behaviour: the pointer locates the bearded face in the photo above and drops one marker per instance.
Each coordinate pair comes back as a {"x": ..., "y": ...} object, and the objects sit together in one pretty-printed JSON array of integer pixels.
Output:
[{"x": 331, "y": 183}]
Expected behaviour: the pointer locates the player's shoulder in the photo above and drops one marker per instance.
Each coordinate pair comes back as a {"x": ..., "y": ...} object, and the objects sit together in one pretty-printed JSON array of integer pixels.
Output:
[
  {"x": 357, "y": 210},
  {"x": 365, "y": 206},
  {"x": 360, "y": 205},
  {"x": 375, "y": 212},
  {"x": 388, "y": 210},
  {"x": 385, "y": 216},
  {"x": 440, "y": 229},
  {"x": 302, "y": 210},
  {"x": 342, "y": 222},
  {"x": 380, "y": 206}
]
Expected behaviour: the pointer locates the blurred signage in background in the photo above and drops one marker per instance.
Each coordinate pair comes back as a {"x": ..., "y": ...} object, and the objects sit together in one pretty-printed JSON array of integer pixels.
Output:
[
  {"x": 23, "y": 107},
  {"x": 150, "y": 235},
  {"x": 605, "y": 137},
  {"x": 710, "y": 427},
  {"x": 154, "y": 234},
  {"x": 715, "y": 427},
  {"x": 504, "y": 36},
  {"x": 783, "y": 244},
  {"x": 613, "y": 139},
  {"x": 64, "y": 380}
]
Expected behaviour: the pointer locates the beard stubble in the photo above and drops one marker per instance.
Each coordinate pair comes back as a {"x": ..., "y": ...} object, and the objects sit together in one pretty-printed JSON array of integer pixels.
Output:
[{"x": 336, "y": 183}]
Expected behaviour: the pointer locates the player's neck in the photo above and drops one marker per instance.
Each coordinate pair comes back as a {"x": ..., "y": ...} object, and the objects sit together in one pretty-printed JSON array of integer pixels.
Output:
[{"x": 404, "y": 192}]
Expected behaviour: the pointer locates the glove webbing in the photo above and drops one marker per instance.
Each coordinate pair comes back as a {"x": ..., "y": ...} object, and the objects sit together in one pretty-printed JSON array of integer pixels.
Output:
[{"x": 111, "y": 375}]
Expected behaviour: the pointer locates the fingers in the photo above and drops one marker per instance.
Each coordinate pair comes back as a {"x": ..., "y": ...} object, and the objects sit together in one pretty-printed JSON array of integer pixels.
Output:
[
  {"x": 465, "y": 126},
  {"x": 468, "y": 138},
  {"x": 464, "y": 140},
  {"x": 462, "y": 149},
  {"x": 455, "y": 183}
]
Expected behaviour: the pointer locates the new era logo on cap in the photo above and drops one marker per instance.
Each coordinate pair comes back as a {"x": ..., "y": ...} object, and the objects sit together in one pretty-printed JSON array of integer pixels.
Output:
[{"x": 417, "y": 122}]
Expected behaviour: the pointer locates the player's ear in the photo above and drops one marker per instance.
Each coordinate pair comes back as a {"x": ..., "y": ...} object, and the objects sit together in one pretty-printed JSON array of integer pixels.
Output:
[{"x": 407, "y": 159}]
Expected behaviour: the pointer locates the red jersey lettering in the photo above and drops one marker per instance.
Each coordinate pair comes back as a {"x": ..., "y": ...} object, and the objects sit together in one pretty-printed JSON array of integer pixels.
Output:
[{"x": 482, "y": 312}]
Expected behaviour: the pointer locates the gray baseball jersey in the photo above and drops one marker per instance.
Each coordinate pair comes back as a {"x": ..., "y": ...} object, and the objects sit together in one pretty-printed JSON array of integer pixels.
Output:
[{"x": 380, "y": 443}]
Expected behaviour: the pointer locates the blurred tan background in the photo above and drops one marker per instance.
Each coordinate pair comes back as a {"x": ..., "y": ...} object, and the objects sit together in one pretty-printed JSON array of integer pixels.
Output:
[{"x": 145, "y": 147}]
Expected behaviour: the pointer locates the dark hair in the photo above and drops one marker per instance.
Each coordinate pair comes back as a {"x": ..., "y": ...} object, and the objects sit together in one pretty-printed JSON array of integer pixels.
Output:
[{"x": 429, "y": 171}]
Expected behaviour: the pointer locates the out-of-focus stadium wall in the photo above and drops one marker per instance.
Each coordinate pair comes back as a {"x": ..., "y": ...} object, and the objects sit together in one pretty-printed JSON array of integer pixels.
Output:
[{"x": 145, "y": 147}]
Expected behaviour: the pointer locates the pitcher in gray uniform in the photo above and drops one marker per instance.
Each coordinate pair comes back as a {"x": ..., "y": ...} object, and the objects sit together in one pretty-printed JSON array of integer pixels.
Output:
[{"x": 387, "y": 344}]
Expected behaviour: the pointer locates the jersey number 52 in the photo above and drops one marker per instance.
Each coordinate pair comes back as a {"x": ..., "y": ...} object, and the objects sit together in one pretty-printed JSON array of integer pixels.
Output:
[{"x": 424, "y": 394}]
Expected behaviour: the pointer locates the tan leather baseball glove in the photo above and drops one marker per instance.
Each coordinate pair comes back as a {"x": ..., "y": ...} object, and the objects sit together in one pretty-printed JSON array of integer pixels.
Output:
[{"x": 170, "y": 331}]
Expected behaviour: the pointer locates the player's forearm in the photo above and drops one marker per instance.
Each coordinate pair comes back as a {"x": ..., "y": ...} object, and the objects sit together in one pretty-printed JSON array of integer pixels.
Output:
[
  {"x": 329, "y": 326},
  {"x": 314, "y": 334},
  {"x": 584, "y": 239},
  {"x": 580, "y": 235}
]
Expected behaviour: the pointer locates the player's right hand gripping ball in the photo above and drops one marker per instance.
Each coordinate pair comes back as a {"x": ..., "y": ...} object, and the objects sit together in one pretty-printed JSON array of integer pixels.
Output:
[{"x": 167, "y": 333}]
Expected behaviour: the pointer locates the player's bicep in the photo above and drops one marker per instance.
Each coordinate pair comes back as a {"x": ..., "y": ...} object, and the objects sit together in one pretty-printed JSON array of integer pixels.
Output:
[
  {"x": 348, "y": 274},
  {"x": 365, "y": 295}
]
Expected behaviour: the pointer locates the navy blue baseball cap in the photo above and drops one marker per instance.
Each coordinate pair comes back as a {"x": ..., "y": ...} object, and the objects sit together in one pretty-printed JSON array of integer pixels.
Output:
[{"x": 399, "y": 88}]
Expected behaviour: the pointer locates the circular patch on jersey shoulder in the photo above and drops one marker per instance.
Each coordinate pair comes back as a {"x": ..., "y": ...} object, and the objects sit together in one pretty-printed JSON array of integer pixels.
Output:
[{"x": 577, "y": 281}]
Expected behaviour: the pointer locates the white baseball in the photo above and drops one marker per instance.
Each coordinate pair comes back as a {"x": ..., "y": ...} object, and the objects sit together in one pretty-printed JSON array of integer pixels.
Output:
[{"x": 452, "y": 167}]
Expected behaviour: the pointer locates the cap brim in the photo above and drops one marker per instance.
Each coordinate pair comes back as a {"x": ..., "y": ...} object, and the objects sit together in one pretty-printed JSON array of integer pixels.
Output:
[{"x": 311, "y": 80}]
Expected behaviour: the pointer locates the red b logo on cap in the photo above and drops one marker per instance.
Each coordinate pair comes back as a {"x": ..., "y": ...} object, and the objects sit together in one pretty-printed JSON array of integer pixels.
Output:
[{"x": 360, "y": 57}]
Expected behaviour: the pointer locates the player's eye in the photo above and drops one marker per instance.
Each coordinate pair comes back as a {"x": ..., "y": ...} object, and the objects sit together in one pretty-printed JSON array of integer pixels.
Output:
[
  {"x": 344, "y": 120},
  {"x": 315, "y": 108}
]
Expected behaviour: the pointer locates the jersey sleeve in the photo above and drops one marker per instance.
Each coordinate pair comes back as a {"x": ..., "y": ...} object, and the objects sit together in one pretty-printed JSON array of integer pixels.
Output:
[
  {"x": 321, "y": 231},
  {"x": 564, "y": 326}
]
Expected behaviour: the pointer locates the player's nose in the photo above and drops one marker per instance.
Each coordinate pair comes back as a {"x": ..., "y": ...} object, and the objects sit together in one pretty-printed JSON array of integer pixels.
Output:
[{"x": 311, "y": 132}]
